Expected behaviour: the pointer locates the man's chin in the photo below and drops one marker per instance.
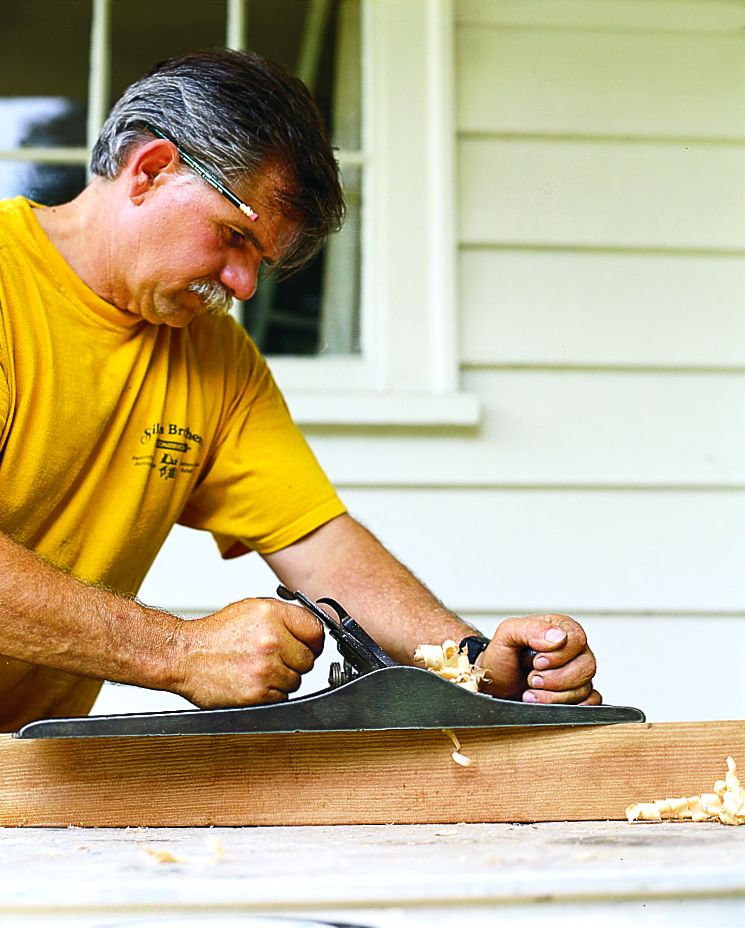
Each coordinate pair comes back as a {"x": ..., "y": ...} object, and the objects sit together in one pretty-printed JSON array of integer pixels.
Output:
[{"x": 176, "y": 315}]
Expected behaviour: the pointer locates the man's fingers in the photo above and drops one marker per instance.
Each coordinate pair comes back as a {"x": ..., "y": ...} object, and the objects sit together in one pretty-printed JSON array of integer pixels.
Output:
[
  {"x": 250, "y": 652},
  {"x": 578, "y": 672},
  {"x": 297, "y": 656},
  {"x": 297, "y": 639},
  {"x": 560, "y": 670},
  {"x": 271, "y": 677},
  {"x": 543, "y": 633},
  {"x": 581, "y": 694},
  {"x": 270, "y": 695},
  {"x": 303, "y": 626}
]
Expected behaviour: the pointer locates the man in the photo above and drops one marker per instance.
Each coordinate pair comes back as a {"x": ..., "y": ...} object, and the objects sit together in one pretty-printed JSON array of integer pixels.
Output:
[{"x": 130, "y": 401}]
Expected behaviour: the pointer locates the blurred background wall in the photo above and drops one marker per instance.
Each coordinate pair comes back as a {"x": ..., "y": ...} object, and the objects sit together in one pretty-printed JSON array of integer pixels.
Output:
[
  {"x": 600, "y": 151},
  {"x": 597, "y": 183}
]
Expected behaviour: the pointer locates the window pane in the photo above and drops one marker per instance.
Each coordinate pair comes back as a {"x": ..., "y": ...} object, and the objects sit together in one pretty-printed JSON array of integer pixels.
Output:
[
  {"x": 43, "y": 104},
  {"x": 315, "y": 311},
  {"x": 49, "y": 184},
  {"x": 306, "y": 37},
  {"x": 45, "y": 53},
  {"x": 147, "y": 31}
]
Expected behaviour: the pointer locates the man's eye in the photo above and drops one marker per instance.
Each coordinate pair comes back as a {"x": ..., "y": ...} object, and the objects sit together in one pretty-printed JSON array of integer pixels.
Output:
[{"x": 237, "y": 239}]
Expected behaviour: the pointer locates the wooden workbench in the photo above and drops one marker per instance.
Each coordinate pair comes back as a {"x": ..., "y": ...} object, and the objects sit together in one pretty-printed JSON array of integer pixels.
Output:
[{"x": 604, "y": 874}]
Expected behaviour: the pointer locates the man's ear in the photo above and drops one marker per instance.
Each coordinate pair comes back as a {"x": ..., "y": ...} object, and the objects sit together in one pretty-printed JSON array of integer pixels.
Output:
[{"x": 148, "y": 165}]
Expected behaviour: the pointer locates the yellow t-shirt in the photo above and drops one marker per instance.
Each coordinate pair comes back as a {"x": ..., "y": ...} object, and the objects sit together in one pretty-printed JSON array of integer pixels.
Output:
[{"x": 113, "y": 429}]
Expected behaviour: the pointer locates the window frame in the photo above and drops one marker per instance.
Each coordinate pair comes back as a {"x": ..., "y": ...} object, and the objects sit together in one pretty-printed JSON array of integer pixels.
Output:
[{"x": 408, "y": 370}]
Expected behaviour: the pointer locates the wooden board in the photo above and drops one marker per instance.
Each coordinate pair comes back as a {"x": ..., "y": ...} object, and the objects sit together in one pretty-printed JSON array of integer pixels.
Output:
[{"x": 522, "y": 775}]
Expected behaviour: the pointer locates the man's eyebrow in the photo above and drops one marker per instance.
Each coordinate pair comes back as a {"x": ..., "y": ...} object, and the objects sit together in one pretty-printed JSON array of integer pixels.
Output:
[{"x": 258, "y": 245}]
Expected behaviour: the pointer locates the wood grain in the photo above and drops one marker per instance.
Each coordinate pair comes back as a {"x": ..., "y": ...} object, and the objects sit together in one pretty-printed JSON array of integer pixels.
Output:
[{"x": 522, "y": 775}]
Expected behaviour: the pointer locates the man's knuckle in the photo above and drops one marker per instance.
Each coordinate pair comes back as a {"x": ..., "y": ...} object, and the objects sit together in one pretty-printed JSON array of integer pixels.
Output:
[{"x": 267, "y": 642}]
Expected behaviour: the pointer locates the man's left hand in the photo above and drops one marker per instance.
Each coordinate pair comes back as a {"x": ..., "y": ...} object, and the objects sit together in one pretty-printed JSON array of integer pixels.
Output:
[{"x": 560, "y": 672}]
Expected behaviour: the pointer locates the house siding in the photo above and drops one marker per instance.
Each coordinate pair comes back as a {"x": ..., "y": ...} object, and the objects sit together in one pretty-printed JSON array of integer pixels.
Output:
[{"x": 601, "y": 268}]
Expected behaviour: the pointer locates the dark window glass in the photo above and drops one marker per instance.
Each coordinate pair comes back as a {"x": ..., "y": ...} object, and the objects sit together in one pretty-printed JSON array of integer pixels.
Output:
[
  {"x": 50, "y": 184},
  {"x": 45, "y": 55},
  {"x": 316, "y": 311},
  {"x": 144, "y": 32}
]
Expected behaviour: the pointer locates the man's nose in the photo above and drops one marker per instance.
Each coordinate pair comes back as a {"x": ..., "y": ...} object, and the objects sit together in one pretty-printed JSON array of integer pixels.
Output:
[{"x": 240, "y": 275}]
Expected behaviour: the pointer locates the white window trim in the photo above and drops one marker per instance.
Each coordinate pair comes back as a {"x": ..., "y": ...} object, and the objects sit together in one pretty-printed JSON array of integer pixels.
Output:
[{"x": 408, "y": 371}]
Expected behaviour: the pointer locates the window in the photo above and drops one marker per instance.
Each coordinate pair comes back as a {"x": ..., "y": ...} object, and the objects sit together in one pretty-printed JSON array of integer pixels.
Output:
[
  {"x": 319, "y": 41},
  {"x": 368, "y": 335}
]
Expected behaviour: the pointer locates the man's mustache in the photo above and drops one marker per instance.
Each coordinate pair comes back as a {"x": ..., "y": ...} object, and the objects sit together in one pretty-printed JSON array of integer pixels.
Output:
[{"x": 214, "y": 296}]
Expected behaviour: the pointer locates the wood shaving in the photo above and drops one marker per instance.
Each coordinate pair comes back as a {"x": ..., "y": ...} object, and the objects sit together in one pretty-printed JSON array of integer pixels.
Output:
[
  {"x": 461, "y": 759},
  {"x": 216, "y": 847},
  {"x": 163, "y": 857},
  {"x": 448, "y": 662},
  {"x": 456, "y": 755},
  {"x": 726, "y": 804},
  {"x": 217, "y": 852}
]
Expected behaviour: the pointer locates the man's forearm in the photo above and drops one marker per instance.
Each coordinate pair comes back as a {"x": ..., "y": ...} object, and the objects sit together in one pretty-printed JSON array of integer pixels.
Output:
[
  {"x": 50, "y": 618},
  {"x": 345, "y": 561}
]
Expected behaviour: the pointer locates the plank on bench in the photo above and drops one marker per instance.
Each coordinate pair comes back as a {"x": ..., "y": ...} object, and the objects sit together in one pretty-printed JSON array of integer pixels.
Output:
[{"x": 406, "y": 777}]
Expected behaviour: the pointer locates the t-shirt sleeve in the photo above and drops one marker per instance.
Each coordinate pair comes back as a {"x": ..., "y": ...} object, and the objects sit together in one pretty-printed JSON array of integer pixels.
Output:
[{"x": 264, "y": 488}]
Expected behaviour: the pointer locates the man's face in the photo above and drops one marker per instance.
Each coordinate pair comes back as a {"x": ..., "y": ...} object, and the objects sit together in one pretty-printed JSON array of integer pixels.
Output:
[{"x": 194, "y": 252}]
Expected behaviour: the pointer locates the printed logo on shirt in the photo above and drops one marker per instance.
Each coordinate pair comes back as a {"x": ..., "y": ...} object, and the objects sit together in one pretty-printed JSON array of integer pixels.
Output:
[{"x": 171, "y": 444}]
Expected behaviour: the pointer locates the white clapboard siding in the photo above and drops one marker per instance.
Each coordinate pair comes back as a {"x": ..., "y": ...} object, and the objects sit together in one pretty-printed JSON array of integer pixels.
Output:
[
  {"x": 590, "y": 551},
  {"x": 579, "y": 308},
  {"x": 569, "y": 428},
  {"x": 190, "y": 577},
  {"x": 700, "y": 16},
  {"x": 618, "y": 83},
  {"x": 602, "y": 194},
  {"x": 500, "y": 551}
]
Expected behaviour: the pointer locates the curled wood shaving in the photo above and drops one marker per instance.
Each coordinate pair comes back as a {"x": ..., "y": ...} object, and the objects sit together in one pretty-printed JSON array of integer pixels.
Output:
[
  {"x": 456, "y": 755},
  {"x": 451, "y": 664},
  {"x": 726, "y": 804}
]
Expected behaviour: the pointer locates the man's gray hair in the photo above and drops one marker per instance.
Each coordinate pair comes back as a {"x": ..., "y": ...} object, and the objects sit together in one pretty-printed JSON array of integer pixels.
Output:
[{"x": 238, "y": 114}]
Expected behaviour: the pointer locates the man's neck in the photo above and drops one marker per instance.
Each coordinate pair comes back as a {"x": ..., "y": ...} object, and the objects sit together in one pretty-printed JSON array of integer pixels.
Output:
[{"x": 75, "y": 230}]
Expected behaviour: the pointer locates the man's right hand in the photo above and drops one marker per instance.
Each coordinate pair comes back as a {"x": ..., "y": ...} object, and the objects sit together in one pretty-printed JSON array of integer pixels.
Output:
[{"x": 253, "y": 651}]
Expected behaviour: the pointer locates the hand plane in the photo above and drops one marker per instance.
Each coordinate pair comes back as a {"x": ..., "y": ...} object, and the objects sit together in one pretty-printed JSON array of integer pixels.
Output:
[{"x": 368, "y": 690}]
